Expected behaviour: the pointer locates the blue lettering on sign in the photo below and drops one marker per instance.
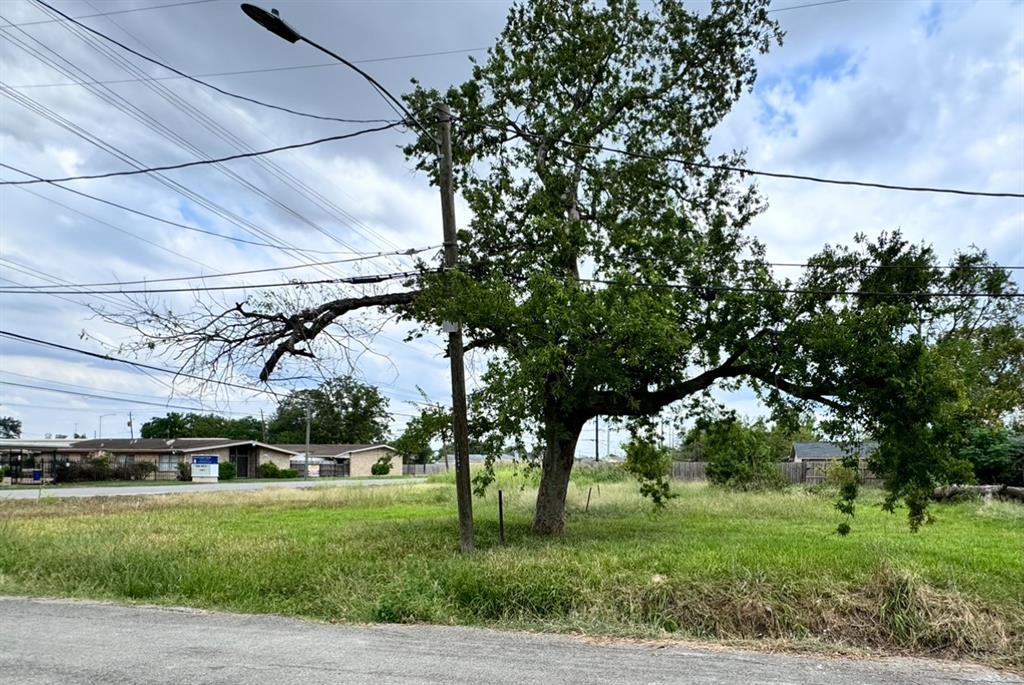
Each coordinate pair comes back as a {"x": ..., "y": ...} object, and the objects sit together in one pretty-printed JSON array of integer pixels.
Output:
[{"x": 204, "y": 460}]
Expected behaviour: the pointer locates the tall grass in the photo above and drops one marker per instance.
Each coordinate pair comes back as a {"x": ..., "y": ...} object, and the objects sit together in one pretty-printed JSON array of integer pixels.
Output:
[{"x": 714, "y": 564}]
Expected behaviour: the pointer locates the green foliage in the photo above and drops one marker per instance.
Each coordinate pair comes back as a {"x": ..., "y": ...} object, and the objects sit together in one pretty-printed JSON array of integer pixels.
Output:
[
  {"x": 94, "y": 469},
  {"x": 193, "y": 425},
  {"x": 740, "y": 455},
  {"x": 269, "y": 469},
  {"x": 434, "y": 422},
  {"x": 650, "y": 464},
  {"x": 382, "y": 466},
  {"x": 995, "y": 454},
  {"x": 344, "y": 410},
  {"x": 184, "y": 471},
  {"x": 133, "y": 471},
  {"x": 227, "y": 471},
  {"x": 10, "y": 427}
]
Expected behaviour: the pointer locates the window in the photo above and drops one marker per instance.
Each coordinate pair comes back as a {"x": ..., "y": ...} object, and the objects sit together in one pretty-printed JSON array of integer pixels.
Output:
[{"x": 168, "y": 462}]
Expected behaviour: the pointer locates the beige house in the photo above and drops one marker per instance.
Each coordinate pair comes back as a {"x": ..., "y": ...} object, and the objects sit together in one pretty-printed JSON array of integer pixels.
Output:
[
  {"x": 358, "y": 458},
  {"x": 246, "y": 455}
]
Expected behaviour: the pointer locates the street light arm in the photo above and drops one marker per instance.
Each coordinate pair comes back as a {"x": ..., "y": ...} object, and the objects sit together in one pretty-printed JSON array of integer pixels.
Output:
[{"x": 376, "y": 84}]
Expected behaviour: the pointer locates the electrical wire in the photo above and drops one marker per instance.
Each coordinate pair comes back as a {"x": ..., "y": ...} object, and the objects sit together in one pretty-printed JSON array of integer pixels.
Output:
[
  {"x": 352, "y": 280},
  {"x": 227, "y": 134},
  {"x": 129, "y": 108},
  {"x": 265, "y": 70},
  {"x": 201, "y": 162},
  {"x": 109, "y": 398},
  {"x": 275, "y": 269},
  {"x": 107, "y": 357},
  {"x": 124, "y": 11},
  {"x": 712, "y": 289},
  {"x": 181, "y": 374},
  {"x": 222, "y": 91}
]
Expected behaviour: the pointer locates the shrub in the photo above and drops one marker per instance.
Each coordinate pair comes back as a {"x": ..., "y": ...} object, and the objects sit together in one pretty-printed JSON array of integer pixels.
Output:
[
  {"x": 996, "y": 456},
  {"x": 382, "y": 467},
  {"x": 139, "y": 471},
  {"x": 739, "y": 457},
  {"x": 287, "y": 473},
  {"x": 184, "y": 470},
  {"x": 269, "y": 469},
  {"x": 5, "y": 471},
  {"x": 227, "y": 471},
  {"x": 839, "y": 476}
]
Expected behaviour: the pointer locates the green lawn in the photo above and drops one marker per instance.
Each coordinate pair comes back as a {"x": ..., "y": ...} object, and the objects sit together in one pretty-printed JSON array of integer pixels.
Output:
[{"x": 714, "y": 565}]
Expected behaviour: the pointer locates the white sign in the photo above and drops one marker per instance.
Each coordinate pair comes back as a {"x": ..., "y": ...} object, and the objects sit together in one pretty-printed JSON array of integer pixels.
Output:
[
  {"x": 205, "y": 468},
  {"x": 314, "y": 471}
]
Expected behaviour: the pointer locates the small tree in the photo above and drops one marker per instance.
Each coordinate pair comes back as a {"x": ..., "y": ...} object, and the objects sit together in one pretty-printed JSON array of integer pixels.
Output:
[
  {"x": 382, "y": 467},
  {"x": 740, "y": 456},
  {"x": 10, "y": 427}
]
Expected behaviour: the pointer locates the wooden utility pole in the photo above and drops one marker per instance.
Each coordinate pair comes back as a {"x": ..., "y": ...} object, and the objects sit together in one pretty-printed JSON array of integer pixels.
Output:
[
  {"x": 597, "y": 439},
  {"x": 460, "y": 424}
]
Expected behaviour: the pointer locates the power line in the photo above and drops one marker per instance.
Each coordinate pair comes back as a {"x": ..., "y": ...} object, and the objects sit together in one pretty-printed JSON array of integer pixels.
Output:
[
  {"x": 768, "y": 174},
  {"x": 107, "y": 357},
  {"x": 353, "y": 280},
  {"x": 182, "y": 374},
  {"x": 198, "y": 277},
  {"x": 200, "y": 81},
  {"x": 108, "y": 397},
  {"x": 813, "y": 4},
  {"x": 125, "y": 11},
  {"x": 200, "y": 162},
  {"x": 949, "y": 267},
  {"x": 711, "y": 289},
  {"x": 794, "y": 177},
  {"x": 228, "y": 135},
  {"x": 265, "y": 70}
]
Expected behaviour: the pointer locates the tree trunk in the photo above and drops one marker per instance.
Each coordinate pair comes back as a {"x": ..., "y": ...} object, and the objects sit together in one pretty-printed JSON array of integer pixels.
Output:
[{"x": 549, "y": 516}]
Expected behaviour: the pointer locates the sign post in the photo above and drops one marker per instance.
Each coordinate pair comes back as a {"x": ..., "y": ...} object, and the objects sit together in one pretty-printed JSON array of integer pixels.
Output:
[{"x": 205, "y": 468}]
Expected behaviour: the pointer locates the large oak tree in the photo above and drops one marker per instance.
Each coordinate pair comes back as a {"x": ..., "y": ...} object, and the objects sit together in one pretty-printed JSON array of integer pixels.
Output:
[{"x": 607, "y": 270}]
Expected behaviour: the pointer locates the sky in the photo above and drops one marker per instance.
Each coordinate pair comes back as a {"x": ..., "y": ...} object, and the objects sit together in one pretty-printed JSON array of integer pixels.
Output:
[{"x": 911, "y": 92}]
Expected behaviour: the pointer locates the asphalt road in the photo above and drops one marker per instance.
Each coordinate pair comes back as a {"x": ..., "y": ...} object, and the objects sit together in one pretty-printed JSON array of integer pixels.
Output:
[
  {"x": 60, "y": 642},
  {"x": 126, "y": 490}
]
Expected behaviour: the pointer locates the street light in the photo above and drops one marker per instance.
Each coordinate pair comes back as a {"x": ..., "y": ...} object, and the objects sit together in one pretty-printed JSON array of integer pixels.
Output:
[
  {"x": 100, "y": 435},
  {"x": 273, "y": 22}
]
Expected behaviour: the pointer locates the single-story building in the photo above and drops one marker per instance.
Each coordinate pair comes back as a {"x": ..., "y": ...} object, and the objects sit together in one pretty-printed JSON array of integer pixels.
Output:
[
  {"x": 358, "y": 458},
  {"x": 246, "y": 455},
  {"x": 830, "y": 451}
]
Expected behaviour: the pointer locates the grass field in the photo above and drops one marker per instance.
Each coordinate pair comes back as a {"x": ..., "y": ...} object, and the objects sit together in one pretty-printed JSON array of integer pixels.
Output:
[{"x": 713, "y": 565}]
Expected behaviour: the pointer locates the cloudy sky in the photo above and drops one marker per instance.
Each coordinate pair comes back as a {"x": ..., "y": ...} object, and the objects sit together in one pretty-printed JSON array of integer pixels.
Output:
[{"x": 910, "y": 92}]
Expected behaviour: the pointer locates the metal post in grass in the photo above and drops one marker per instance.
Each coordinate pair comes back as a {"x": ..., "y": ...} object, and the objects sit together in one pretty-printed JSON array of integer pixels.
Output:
[
  {"x": 589, "y": 490},
  {"x": 501, "y": 517}
]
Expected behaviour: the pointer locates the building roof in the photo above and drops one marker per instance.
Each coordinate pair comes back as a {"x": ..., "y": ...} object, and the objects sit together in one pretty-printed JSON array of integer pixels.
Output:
[
  {"x": 163, "y": 445},
  {"x": 38, "y": 444},
  {"x": 329, "y": 450},
  {"x": 820, "y": 451}
]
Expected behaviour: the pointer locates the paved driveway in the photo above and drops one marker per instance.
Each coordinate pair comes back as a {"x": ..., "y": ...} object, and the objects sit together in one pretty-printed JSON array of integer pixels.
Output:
[
  {"x": 114, "y": 491},
  {"x": 68, "y": 643}
]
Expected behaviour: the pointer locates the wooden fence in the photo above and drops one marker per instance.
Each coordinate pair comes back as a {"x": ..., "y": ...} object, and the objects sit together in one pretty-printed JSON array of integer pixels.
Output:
[
  {"x": 423, "y": 469},
  {"x": 811, "y": 473}
]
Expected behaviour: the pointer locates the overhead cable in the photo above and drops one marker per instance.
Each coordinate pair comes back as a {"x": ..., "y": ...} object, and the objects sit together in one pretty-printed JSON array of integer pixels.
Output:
[
  {"x": 711, "y": 290},
  {"x": 273, "y": 269},
  {"x": 201, "y": 162},
  {"x": 124, "y": 11},
  {"x": 352, "y": 280},
  {"x": 200, "y": 81}
]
